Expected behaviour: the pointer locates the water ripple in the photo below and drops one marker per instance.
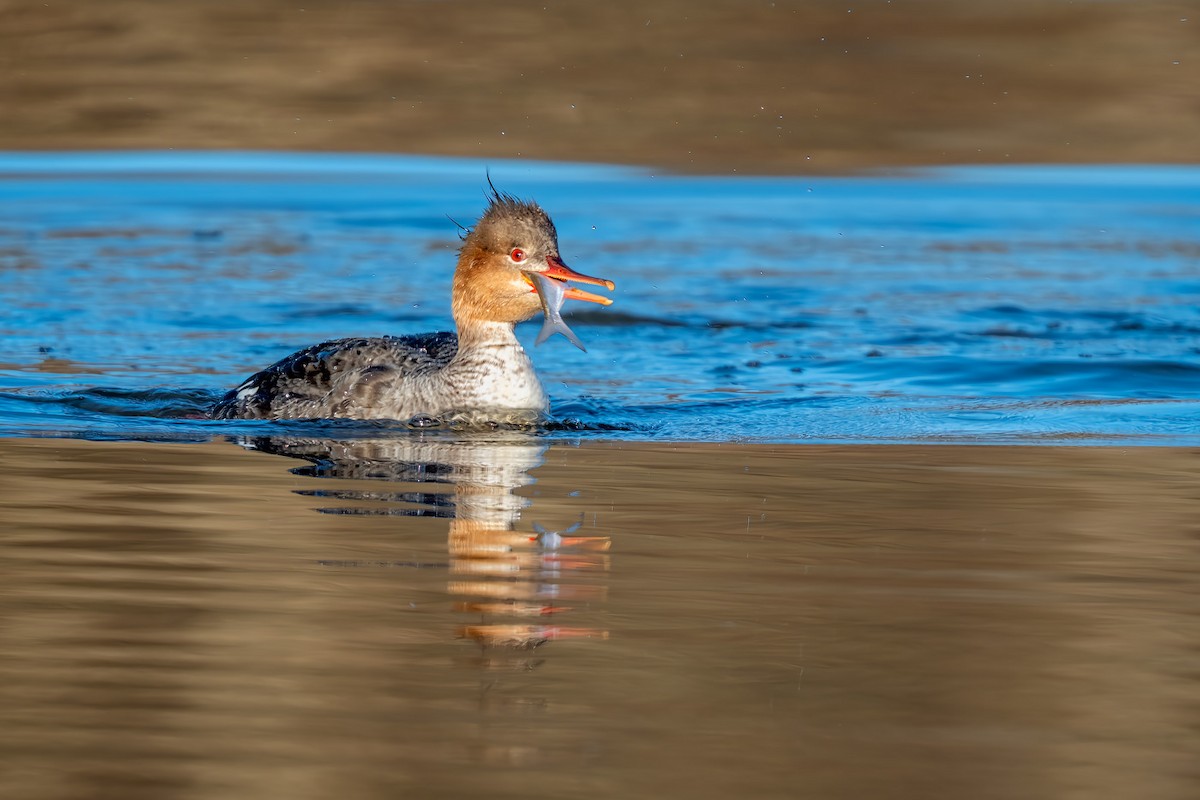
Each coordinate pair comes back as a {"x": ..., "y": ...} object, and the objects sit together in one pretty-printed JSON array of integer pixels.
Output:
[{"x": 973, "y": 304}]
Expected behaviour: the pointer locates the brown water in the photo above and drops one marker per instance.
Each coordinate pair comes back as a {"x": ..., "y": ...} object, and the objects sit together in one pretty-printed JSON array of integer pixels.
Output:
[
  {"x": 720, "y": 86},
  {"x": 180, "y": 621}
]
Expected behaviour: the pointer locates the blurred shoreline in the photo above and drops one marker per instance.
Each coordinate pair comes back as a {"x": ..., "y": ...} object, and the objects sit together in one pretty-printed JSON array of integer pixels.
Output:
[{"x": 763, "y": 88}]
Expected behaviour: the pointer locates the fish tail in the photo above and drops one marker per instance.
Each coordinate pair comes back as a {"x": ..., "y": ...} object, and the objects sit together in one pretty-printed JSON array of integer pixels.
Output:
[
  {"x": 545, "y": 333},
  {"x": 551, "y": 327}
]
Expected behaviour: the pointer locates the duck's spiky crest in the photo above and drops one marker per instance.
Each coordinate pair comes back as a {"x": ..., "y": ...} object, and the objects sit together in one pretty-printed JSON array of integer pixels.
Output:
[{"x": 503, "y": 206}]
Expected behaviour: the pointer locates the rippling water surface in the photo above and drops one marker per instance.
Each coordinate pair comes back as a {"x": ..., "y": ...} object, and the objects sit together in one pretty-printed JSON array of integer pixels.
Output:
[
  {"x": 661, "y": 593},
  {"x": 438, "y": 616},
  {"x": 1002, "y": 304}
]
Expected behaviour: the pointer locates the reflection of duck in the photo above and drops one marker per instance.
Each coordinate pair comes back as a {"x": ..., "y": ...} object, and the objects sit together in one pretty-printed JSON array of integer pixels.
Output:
[
  {"x": 481, "y": 373},
  {"x": 505, "y": 576}
]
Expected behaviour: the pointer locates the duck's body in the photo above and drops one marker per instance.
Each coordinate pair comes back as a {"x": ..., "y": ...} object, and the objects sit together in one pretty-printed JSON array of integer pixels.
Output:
[
  {"x": 480, "y": 371},
  {"x": 393, "y": 377}
]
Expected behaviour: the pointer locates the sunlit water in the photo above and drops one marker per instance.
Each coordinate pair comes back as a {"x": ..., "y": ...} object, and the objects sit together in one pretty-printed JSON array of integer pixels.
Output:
[
  {"x": 601, "y": 608},
  {"x": 1002, "y": 304}
]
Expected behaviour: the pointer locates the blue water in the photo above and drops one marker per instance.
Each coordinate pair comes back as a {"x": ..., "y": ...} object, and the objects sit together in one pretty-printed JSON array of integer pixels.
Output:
[{"x": 992, "y": 305}]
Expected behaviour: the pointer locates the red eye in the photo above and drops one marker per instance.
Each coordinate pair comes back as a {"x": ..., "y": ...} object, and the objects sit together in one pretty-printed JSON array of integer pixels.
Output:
[{"x": 517, "y": 255}]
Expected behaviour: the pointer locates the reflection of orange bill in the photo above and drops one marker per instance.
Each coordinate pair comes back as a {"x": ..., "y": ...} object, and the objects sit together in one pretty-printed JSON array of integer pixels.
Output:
[
  {"x": 582, "y": 542},
  {"x": 489, "y": 543}
]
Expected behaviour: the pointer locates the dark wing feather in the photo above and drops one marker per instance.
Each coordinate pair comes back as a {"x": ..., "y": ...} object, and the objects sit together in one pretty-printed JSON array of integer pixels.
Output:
[{"x": 305, "y": 378}]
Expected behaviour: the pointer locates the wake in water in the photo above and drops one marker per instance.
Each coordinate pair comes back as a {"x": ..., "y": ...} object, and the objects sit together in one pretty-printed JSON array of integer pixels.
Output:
[
  {"x": 182, "y": 415},
  {"x": 106, "y": 412},
  {"x": 182, "y": 404}
]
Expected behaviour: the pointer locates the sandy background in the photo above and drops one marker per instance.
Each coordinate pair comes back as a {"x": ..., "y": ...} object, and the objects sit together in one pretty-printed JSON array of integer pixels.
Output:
[{"x": 775, "y": 87}]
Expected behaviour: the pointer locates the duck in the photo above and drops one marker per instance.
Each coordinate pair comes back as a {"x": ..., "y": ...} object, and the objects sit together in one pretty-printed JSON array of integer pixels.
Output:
[{"x": 478, "y": 373}]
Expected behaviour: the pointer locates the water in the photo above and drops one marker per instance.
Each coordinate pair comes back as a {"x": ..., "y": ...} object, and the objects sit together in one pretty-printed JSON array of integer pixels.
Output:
[
  {"x": 982, "y": 305},
  {"x": 371, "y": 618},
  {"x": 733, "y": 564}
]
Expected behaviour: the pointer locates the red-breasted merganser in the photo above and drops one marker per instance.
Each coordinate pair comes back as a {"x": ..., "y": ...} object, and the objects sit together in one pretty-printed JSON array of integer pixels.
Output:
[{"x": 480, "y": 374}]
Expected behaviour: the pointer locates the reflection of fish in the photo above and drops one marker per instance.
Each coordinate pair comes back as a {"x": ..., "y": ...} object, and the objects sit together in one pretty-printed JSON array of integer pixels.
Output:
[
  {"x": 553, "y": 294},
  {"x": 553, "y": 540}
]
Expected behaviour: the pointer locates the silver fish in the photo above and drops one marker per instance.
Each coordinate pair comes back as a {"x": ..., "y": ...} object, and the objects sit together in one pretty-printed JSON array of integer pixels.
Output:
[{"x": 553, "y": 294}]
